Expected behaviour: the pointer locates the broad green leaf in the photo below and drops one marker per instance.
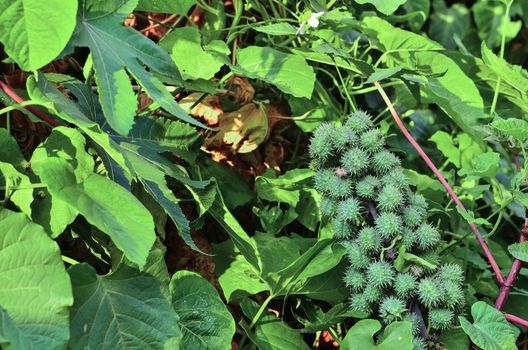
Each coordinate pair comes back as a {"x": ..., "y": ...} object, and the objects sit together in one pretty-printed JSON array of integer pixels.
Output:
[
  {"x": 317, "y": 320},
  {"x": 36, "y": 291},
  {"x": 104, "y": 204},
  {"x": 514, "y": 75},
  {"x": 492, "y": 24},
  {"x": 281, "y": 28},
  {"x": 10, "y": 152},
  {"x": 270, "y": 333},
  {"x": 448, "y": 22},
  {"x": 519, "y": 251},
  {"x": 398, "y": 335},
  {"x": 187, "y": 41},
  {"x": 387, "y": 7},
  {"x": 484, "y": 165},
  {"x": 180, "y": 7},
  {"x": 454, "y": 339},
  {"x": 446, "y": 83},
  {"x": 113, "y": 55},
  {"x": 328, "y": 286},
  {"x": 290, "y": 73},
  {"x": 17, "y": 187},
  {"x": 420, "y": 6},
  {"x": 204, "y": 319},
  {"x": 469, "y": 216},
  {"x": 122, "y": 310},
  {"x": 405, "y": 260},
  {"x": 35, "y": 32},
  {"x": 516, "y": 128},
  {"x": 383, "y": 73},
  {"x": 489, "y": 330}
]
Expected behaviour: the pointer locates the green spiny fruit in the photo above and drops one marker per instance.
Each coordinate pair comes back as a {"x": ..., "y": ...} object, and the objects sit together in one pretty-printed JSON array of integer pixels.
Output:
[
  {"x": 321, "y": 142},
  {"x": 384, "y": 161},
  {"x": 355, "y": 161},
  {"x": 355, "y": 279},
  {"x": 452, "y": 273},
  {"x": 419, "y": 344},
  {"x": 372, "y": 140},
  {"x": 358, "y": 302},
  {"x": 412, "y": 216},
  {"x": 392, "y": 309},
  {"x": 349, "y": 210},
  {"x": 388, "y": 225},
  {"x": 328, "y": 183},
  {"x": 328, "y": 207},
  {"x": 396, "y": 178},
  {"x": 405, "y": 285},
  {"x": 359, "y": 121},
  {"x": 380, "y": 274},
  {"x": 366, "y": 187},
  {"x": 389, "y": 198},
  {"x": 441, "y": 319},
  {"x": 408, "y": 238},
  {"x": 429, "y": 292},
  {"x": 343, "y": 138},
  {"x": 341, "y": 229},
  {"x": 427, "y": 236},
  {"x": 371, "y": 293},
  {"x": 415, "y": 320},
  {"x": 369, "y": 240},
  {"x": 356, "y": 258},
  {"x": 453, "y": 295}
]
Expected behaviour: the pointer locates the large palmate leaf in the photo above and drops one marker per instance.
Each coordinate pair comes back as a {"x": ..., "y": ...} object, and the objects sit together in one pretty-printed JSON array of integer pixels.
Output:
[
  {"x": 35, "y": 32},
  {"x": 447, "y": 85},
  {"x": 117, "y": 49},
  {"x": 492, "y": 23},
  {"x": 123, "y": 310},
  {"x": 204, "y": 319},
  {"x": 36, "y": 291},
  {"x": 105, "y": 204},
  {"x": 448, "y": 22},
  {"x": 513, "y": 75},
  {"x": 489, "y": 330},
  {"x": 398, "y": 335},
  {"x": 386, "y": 7}
]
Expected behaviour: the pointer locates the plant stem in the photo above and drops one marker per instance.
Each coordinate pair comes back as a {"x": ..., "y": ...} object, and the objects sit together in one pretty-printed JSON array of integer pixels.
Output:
[
  {"x": 516, "y": 319},
  {"x": 256, "y": 318},
  {"x": 442, "y": 180}
]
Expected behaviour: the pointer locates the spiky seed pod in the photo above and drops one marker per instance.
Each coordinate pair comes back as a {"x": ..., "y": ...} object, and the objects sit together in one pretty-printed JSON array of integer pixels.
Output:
[
  {"x": 341, "y": 228},
  {"x": 429, "y": 292},
  {"x": 343, "y": 138},
  {"x": 419, "y": 202},
  {"x": 388, "y": 225},
  {"x": 419, "y": 344},
  {"x": 384, "y": 161},
  {"x": 371, "y": 293},
  {"x": 427, "y": 236},
  {"x": 355, "y": 279},
  {"x": 408, "y": 237},
  {"x": 372, "y": 140},
  {"x": 366, "y": 187},
  {"x": 328, "y": 183},
  {"x": 392, "y": 309},
  {"x": 412, "y": 216},
  {"x": 359, "y": 121},
  {"x": 415, "y": 320},
  {"x": 389, "y": 198},
  {"x": 451, "y": 272},
  {"x": 358, "y": 302},
  {"x": 441, "y": 319},
  {"x": 321, "y": 143},
  {"x": 453, "y": 294},
  {"x": 380, "y": 274},
  {"x": 396, "y": 178},
  {"x": 328, "y": 207},
  {"x": 369, "y": 240},
  {"x": 356, "y": 258},
  {"x": 349, "y": 210},
  {"x": 405, "y": 285},
  {"x": 355, "y": 161}
]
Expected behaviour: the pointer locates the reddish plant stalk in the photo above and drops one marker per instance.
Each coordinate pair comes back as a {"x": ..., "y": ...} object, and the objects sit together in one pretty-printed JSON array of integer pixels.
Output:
[
  {"x": 441, "y": 178},
  {"x": 515, "y": 319},
  {"x": 35, "y": 111}
]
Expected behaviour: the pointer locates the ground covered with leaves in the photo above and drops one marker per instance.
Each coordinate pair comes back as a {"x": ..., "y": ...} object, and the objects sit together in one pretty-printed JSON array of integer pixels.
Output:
[{"x": 274, "y": 175}]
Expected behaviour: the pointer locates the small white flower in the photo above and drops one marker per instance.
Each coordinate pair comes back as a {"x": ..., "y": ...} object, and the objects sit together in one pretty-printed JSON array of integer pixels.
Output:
[{"x": 313, "y": 21}]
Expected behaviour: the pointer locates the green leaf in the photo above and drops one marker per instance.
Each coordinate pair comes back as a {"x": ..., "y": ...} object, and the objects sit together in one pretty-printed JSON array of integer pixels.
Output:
[
  {"x": 317, "y": 320},
  {"x": 448, "y": 22},
  {"x": 36, "y": 291},
  {"x": 519, "y": 250},
  {"x": 34, "y": 32},
  {"x": 10, "y": 152},
  {"x": 454, "y": 339},
  {"x": 186, "y": 41},
  {"x": 104, "y": 204},
  {"x": 204, "y": 319},
  {"x": 11, "y": 177},
  {"x": 514, "y": 75},
  {"x": 290, "y": 73},
  {"x": 110, "y": 46},
  {"x": 484, "y": 165},
  {"x": 469, "y": 216},
  {"x": 123, "y": 310},
  {"x": 492, "y": 24},
  {"x": 383, "y": 73},
  {"x": 180, "y": 7},
  {"x": 516, "y": 128},
  {"x": 405, "y": 260},
  {"x": 280, "y": 28},
  {"x": 271, "y": 333},
  {"x": 489, "y": 330},
  {"x": 398, "y": 335},
  {"x": 387, "y": 7}
]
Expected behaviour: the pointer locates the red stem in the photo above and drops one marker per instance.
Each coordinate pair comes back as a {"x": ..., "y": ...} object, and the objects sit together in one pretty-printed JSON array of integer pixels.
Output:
[
  {"x": 441, "y": 178},
  {"x": 516, "y": 319},
  {"x": 35, "y": 111}
]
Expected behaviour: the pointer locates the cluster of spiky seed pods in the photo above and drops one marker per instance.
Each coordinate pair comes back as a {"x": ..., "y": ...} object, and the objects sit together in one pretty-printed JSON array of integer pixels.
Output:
[{"x": 393, "y": 270}]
